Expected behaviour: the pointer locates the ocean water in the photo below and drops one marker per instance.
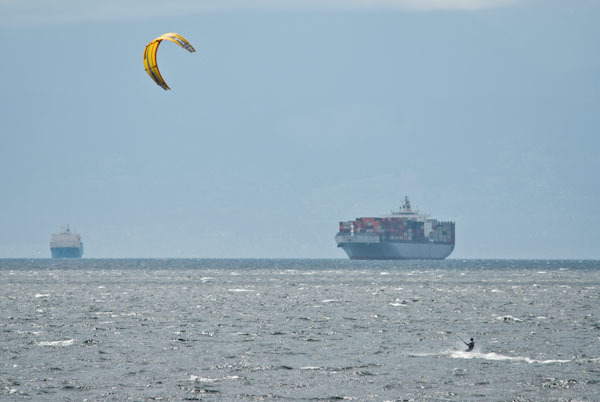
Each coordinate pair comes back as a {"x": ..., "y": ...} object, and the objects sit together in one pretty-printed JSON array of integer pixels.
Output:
[{"x": 221, "y": 330}]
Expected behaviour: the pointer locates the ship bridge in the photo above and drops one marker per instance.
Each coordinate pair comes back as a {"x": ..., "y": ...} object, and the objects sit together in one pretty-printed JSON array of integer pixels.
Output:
[{"x": 407, "y": 213}]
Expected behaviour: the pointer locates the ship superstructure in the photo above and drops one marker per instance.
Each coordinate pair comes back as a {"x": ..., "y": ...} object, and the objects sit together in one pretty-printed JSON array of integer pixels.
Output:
[
  {"x": 66, "y": 244},
  {"x": 403, "y": 235}
]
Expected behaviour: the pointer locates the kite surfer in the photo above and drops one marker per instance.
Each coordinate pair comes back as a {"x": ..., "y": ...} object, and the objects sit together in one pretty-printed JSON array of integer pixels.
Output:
[{"x": 470, "y": 345}]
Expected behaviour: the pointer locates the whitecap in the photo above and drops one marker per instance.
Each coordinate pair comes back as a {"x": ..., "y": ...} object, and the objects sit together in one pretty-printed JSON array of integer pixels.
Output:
[
  {"x": 38, "y": 295},
  {"x": 197, "y": 378},
  {"x": 508, "y": 318},
  {"x": 68, "y": 342},
  {"x": 330, "y": 301},
  {"x": 239, "y": 290}
]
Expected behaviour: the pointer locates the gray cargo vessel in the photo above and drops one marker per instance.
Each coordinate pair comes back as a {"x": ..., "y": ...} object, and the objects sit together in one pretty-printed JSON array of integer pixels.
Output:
[
  {"x": 403, "y": 235},
  {"x": 66, "y": 244}
]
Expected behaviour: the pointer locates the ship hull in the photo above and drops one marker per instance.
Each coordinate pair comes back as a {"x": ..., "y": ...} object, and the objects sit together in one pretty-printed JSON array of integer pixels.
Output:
[
  {"x": 397, "y": 250},
  {"x": 67, "y": 252}
]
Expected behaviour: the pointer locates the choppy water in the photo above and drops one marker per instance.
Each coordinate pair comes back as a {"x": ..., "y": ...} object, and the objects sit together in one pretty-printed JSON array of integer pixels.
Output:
[{"x": 299, "y": 330}]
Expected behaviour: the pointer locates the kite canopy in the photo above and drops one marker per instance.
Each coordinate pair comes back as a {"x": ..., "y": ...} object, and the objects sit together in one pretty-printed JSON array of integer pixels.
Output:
[{"x": 150, "y": 55}]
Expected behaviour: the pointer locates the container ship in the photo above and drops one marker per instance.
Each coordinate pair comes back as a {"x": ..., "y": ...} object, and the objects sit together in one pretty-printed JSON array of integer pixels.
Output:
[
  {"x": 403, "y": 235},
  {"x": 66, "y": 245}
]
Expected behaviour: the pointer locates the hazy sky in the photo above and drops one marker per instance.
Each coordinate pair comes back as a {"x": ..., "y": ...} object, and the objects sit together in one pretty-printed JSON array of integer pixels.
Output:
[{"x": 295, "y": 115}]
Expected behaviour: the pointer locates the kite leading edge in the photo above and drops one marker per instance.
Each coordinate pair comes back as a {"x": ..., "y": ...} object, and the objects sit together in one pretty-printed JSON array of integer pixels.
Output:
[{"x": 150, "y": 55}]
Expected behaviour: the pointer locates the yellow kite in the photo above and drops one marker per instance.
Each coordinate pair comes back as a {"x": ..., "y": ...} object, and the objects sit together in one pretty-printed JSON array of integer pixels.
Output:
[{"x": 150, "y": 56}]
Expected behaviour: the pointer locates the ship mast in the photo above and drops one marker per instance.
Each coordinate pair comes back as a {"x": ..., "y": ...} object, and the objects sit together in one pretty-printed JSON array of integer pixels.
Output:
[{"x": 406, "y": 207}]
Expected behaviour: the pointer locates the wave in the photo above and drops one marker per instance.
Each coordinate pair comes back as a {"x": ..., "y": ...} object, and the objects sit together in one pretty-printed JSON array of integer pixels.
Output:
[
  {"x": 68, "y": 342},
  {"x": 508, "y": 318},
  {"x": 500, "y": 357},
  {"x": 459, "y": 354},
  {"x": 197, "y": 378}
]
